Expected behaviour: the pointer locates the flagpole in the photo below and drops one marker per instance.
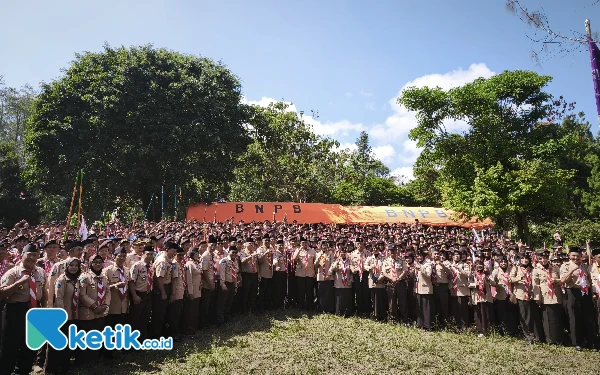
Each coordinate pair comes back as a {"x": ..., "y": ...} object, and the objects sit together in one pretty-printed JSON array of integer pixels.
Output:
[
  {"x": 595, "y": 61},
  {"x": 72, "y": 201},
  {"x": 149, "y": 204},
  {"x": 80, "y": 196},
  {"x": 162, "y": 206},
  {"x": 175, "y": 216}
]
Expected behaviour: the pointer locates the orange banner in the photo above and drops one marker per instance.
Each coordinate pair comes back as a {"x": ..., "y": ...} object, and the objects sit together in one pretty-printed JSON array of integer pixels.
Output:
[{"x": 313, "y": 213}]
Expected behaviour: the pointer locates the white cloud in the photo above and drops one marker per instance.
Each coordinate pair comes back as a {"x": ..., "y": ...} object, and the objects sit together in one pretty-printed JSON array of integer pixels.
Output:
[
  {"x": 366, "y": 93},
  {"x": 348, "y": 95},
  {"x": 385, "y": 153},
  {"x": 402, "y": 121},
  {"x": 329, "y": 128},
  {"x": 409, "y": 152},
  {"x": 403, "y": 174},
  {"x": 371, "y": 106},
  {"x": 346, "y": 146}
]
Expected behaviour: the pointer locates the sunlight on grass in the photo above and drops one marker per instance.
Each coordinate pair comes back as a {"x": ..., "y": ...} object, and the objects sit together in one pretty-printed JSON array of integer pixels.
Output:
[{"x": 289, "y": 342}]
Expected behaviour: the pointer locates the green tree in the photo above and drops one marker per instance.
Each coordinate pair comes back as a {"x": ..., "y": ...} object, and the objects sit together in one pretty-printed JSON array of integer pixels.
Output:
[
  {"x": 506, "y": 165},
  {"x": 286, "y": 161},
  {"x": 15, "y": 108},
  {"x": 15, "y": 203},
  {"x": 135, "y": 119}
]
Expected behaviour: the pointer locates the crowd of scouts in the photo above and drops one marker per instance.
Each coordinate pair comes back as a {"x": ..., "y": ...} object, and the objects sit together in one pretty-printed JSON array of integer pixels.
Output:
[{"x": 172, "y": 279}]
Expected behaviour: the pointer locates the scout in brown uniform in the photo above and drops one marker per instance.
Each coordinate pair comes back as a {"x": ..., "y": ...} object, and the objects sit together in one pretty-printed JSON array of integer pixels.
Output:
[
  {"x": 140, "y": 289},
  {"x": 94, "y": 302},
  {"x": 577, "y": 282},
  {"x": 374, "y": 265},
  {"x": 50, "y": 256},
  {"x": 5, "y": 265},
  {"x": 265, "y": 268},
  {"x": 424, "y": 289},
  {"x": 279, "y": 274},
  {"x": 325, "y": 283},
  {"x": 506, "y": 310},
  {"x": 396, "y": 271},
  {"x": 162, "y": 292},
  {"x": 209, "y": 271},
  {"x": 460, "y": 293},
  {"x": 342, "y": 283},
  {"x": 595, "y": 275},
  {"x": 360, "y": 282},
  {"x": 23, "y": 287},
  {"x": 440, "y": 273},
  {"x": 249, "y": 290},
  {"x": 118, "y": 278},
  {"x": 136, "y": 254},
  {"x": 304, "y": 258},
  {"x": 546, "y": 291},
  {"x": 74, "y": 250},
  {"x": 481, "y": 297},
  {"x": 175, "y": 309},
  {"x": 529, "y": 312},
  {"x": 193, "y": 277},
  {"x": 67, "y": 298},
  {"x": 228, "y": 274}
]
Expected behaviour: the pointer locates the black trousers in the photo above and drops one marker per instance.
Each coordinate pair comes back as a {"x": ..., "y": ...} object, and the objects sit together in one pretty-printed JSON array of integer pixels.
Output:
[
  {"x": 159, "y": 311},
  {"x": 292, "y": 287},
  {"x": 87, "y": 356},
  {"x": 59, "y": 361},
  {"x": 249, "y": 291},
  {"x": 111, "y": 320},
  {"x": 205, "y": 307},
  {"x": 362, "y": 294},
  {"x": 397, "y": 302},
  {"x": 279, "y": 289},
  {"x": 426, "y": 311},
  {"x": 344, "y": 301},
  {"x": 412, "y": 303},
  {"x": 553, "y": 324},
  {"x": 191, "y": 310},
  {"x": 326, "y": 296},
  {"x": 139, "y": 315},
  {"x": 531, "y": 320},
  {"x": 14, "y": 354},
  {"x": 306, "y": 292},
  {"x": 582, "y": 321},
  {"x": 441, "y": 295},
  {"x": 484, "y": 317},
  {"x": 380, "y": 305},
  {"x": 459, "y": 306},
  {"x": 224, "y": 302},
  {"x": 265, "y": 293},
  {"x": 506, "y": 316},
  {"x": 212, "y": 313},
  {"x": 174, "y": 318}
]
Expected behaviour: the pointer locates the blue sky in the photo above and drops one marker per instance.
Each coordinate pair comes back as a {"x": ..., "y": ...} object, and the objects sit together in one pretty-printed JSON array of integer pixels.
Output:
[{"x": 347, "y": 59}]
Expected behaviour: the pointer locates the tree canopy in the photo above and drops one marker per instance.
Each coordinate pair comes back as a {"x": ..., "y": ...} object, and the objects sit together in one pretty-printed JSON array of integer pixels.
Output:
[
  {"x": 505, "y": 164},
  {"x": 135, "y": 119}
]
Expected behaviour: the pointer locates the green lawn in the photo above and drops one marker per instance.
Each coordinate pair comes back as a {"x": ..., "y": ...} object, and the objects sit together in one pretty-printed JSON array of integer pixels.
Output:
[{"x": 289, "y": 342}]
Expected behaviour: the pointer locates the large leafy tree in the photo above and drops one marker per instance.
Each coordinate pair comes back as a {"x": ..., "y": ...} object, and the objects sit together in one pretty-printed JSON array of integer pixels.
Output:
[
  {"x": 135, "y": 119},
  {"x": 286, "y": 161},
  {"x": 506, "y": 164},
  {"x": 15, "y": 203}
]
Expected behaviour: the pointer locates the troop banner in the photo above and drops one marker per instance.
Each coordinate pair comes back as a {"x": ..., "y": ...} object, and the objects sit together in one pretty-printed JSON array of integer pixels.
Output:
[{"x": 313, "y": 213}]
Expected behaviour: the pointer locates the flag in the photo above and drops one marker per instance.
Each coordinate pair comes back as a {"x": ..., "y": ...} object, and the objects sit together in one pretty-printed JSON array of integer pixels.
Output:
[
  {"x": 83, "y": 232},
  {"x": 476, "y": 235},
  {"x": 595, "y": 57}
]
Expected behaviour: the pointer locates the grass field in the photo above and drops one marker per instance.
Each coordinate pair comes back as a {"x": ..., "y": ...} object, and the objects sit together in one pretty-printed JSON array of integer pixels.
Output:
[{"x": 290, "y": 342}]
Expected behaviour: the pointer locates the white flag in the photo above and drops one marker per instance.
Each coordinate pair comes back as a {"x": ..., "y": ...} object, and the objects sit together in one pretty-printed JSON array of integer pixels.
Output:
[{"x": 83, "y": 232}]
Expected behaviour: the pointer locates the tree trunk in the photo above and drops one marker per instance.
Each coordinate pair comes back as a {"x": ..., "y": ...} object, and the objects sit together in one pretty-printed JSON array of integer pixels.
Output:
[{"x": 523, "y": 228}]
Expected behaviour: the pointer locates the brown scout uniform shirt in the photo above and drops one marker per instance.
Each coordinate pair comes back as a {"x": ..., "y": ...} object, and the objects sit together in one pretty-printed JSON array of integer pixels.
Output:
[
  {"x": 193, "y": 273},
  {"x": 163, "y": 267},
  {"x": 117, "y": 306},
  {"x": 375, "y": 267},
  {"x": 65, "y": 288},
  {"x": 22, "y": 293},
  {"x": 355, "y": 256},
  {"x": 463, "y": 271},
  {"x": 499, "y": 280},
  {"x": 88, "y": 294},
  {"x": 139, "y": 275},
  {"x": 302, "y": 268},
  {"x": 279, "y": 264},
  {"x": 323, "y": 264},
  {"x": 424, "y": 285},
  {"x": 336, "y": 271},
  {"x": 541, "y": 291}
]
